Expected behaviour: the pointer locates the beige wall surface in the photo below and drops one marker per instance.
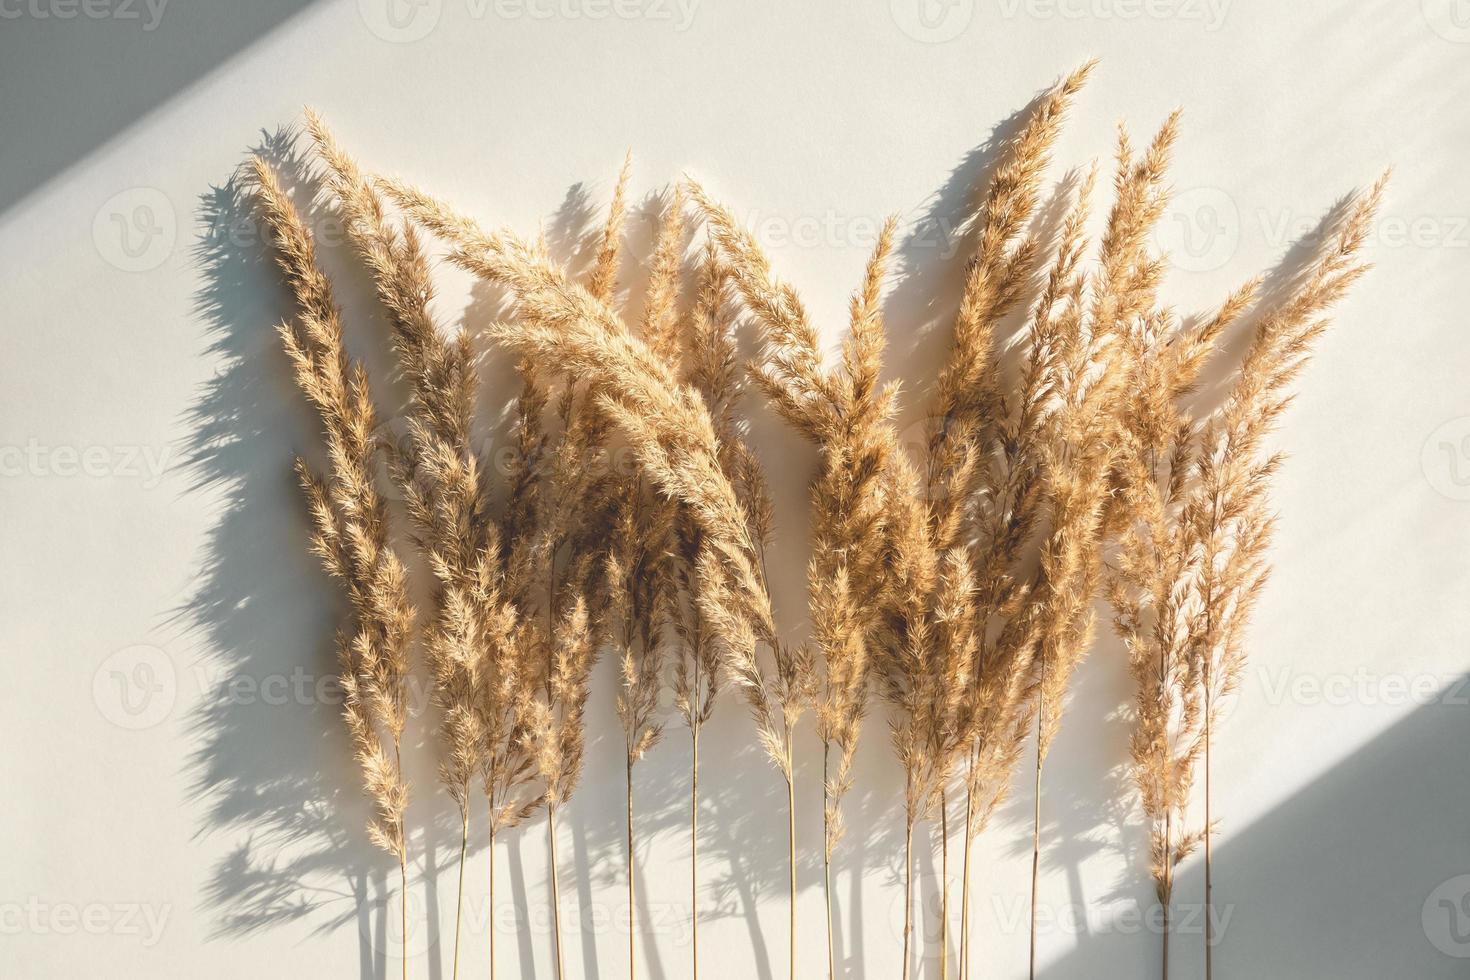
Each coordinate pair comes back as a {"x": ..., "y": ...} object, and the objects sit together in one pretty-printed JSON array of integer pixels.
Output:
[{"x": 179, "y": 798}]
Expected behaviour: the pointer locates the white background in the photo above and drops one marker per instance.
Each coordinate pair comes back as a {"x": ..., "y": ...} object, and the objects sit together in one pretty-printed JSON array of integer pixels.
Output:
[{"x": 175, "y": 806}]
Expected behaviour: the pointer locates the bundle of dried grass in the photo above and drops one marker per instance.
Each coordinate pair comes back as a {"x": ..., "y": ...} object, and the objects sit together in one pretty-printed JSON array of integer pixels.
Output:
[
  {"x": 350, "y": 526},
  {"x": 1149, "y": 584},
  {"x": 641, "y": 563},
  {"x": 845, "y": 413},
  {"x": 439, "y": 477},
  {"x": 556, "y": 570},
  {"x": 963, "y": 580},
  {"x": 569, "y": 497},
  {"x": 672, "y": 432},
  {"x": 711, "y": 367},
  {"x": 1191, "y": 552},
  {"x": 984, "y": 482}
]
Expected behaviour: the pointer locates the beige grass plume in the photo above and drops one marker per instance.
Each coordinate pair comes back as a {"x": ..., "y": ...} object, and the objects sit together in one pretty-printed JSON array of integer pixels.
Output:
[
  {"x": 566, "y": 497},
  {"x": 560, "y": 593},
  {"x": 1082, "y": 449},
  {"x": 350, "y": 526},
  {"x": 1150, "y": 584},
  {"x": 672, "y": 432},
  {"x": 445, "y": 493},
  {"x": 712, "y": 369},
  {"x": 984, "y": 485},
  {"x": 1192, "y": 530},
  {"x": 643, "y": 555},
  {"x": 846, "y": 414}
]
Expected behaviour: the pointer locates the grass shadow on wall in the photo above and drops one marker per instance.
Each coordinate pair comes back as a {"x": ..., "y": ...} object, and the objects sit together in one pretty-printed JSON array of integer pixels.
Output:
[
  {"x": 269, "y": 767},
  {"x": 271, "y": 761}
]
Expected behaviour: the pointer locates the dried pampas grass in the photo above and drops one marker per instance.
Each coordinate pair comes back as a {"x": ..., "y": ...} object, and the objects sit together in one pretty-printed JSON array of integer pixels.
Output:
[
  {"x": 673, "y": 435},
  {"x": 350, "y": 526},
  {"x": 439, "y": 477},
  {"x": 958, "y": 584},
  {"x": 848, "y": 416},
  {"x": 1191, "y": 551}
]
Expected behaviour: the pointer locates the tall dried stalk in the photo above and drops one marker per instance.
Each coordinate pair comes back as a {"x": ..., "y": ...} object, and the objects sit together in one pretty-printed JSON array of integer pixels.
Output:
[
  {"x": 570, "y": 565},
  {"x": 641, "y": 565},
  {"x": 673, "y": 435},
  {"x": 476, "y": 644},
  {"x": 1150, "y": 584},
  {"x": 983, "y": 467},
  {"x": 1234, "y": 474},
  {"x": 712, "y": 371},
  {"x": 1082, "y": 452},
  {"x": 559, "y": 576},
  {"x": 845, "y": 413},
  {"x": 1191, "y": 559},
  {"x": 440, "y": 479},
  {"x": 350, "y": 527}
]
